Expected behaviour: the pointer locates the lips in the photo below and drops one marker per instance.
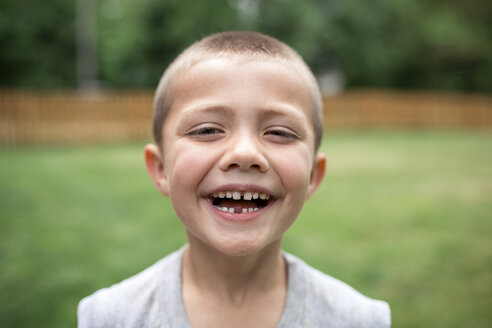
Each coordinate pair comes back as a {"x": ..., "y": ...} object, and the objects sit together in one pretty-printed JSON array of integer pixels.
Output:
[{"x": 240, "y": 201}]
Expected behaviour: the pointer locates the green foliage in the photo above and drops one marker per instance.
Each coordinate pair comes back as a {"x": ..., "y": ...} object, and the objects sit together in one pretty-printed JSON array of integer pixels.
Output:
[
  {"x": 165, "y": 29},
  {"x": 401, "y": 216},
  {"x": 386, "y": 43},
  {"x": 37, "y": 43}
]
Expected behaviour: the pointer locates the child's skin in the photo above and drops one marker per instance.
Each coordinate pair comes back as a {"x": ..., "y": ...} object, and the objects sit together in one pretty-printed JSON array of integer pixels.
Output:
[{"x": 245, "y": 127}]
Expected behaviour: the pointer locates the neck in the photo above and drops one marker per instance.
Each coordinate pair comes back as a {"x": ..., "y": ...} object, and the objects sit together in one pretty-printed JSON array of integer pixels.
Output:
[{"x": 233, "y": 278}]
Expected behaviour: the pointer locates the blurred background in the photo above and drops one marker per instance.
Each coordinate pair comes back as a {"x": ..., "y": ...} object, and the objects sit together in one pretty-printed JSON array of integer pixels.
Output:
[{"x": 404, "y": 214}]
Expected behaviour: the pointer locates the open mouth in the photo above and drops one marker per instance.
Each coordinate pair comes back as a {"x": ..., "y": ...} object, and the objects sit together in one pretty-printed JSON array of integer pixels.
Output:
[{"x": 240, "y": 201}]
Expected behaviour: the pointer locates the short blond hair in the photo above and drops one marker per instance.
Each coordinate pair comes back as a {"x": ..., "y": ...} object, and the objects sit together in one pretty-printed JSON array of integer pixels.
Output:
[{"x": 238, "y": 45}]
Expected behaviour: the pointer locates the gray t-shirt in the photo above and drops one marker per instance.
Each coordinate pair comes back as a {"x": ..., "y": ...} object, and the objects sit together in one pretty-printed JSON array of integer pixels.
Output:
[{"x": 153, "y": 298}]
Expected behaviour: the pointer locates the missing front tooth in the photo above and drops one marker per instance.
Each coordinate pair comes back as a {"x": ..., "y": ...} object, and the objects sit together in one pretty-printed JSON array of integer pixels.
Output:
[{"x": 259, "y": 203}]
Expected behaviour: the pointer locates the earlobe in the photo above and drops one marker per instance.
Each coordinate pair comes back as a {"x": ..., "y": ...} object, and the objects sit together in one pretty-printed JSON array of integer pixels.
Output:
[
  {"x": 317, "y": 174},
  {"x": 155, "y": 167}
]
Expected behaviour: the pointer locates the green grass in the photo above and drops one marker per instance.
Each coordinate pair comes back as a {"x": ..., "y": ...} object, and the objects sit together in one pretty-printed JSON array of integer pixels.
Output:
[{"x": 401, "y": 216}]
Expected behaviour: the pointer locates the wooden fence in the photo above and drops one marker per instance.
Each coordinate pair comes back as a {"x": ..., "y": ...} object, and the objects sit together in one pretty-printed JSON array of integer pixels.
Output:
[
  {"x": 400, "y": 109},
  {"x": 71, "y": 117},
  {"x": 33, "y": 117}
]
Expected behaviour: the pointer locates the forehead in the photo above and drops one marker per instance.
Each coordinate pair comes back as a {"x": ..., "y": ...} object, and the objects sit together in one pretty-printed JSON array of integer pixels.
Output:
[{"x": 239, "y": 82}]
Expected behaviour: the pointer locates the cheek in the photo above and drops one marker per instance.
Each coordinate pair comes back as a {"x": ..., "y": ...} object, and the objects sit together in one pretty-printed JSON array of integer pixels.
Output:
[
  {"x": 188, "y": 168},
  {"x": 295, "y": 171}
]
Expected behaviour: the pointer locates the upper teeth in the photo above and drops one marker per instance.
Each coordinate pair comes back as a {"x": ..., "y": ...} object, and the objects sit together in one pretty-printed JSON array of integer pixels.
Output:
[{"x": 236, "y": 195}]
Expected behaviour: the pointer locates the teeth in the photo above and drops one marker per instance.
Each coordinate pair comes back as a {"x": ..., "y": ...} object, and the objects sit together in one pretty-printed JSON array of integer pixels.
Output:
[
  {"x": 237, "y": 195},
  {"x": 232, "y": 210}
]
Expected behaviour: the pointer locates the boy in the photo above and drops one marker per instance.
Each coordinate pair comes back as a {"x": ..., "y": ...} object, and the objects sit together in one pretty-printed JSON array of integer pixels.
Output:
[{"x": 237, "y": 127}]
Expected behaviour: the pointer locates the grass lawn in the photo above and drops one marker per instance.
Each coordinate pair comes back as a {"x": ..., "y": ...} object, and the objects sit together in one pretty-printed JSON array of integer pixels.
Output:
[{"x": 401, "y": 216}]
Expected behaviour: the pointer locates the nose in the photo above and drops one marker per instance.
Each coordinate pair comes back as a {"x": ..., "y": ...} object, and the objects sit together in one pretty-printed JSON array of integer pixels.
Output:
[{"x": 244, "y": 152}]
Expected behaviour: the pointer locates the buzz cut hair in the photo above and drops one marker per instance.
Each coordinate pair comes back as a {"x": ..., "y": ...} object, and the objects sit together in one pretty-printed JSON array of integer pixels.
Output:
[{"x": 240, "y": 46}]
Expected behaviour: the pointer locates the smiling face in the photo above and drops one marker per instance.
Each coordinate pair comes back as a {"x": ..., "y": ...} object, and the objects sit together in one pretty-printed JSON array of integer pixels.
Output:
[{"x": 238, "y": 156}]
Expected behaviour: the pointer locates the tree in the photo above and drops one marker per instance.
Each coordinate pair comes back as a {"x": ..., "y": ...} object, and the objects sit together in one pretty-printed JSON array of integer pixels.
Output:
[
  {"x": 432, "y": 44},
  {"x": 37, "y": 45}
]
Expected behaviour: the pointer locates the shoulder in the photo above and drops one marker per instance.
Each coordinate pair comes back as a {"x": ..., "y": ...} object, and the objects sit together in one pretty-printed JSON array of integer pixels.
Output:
[
  {"x": 331, "y": 302},
  {"x": 134, "y": 302}
]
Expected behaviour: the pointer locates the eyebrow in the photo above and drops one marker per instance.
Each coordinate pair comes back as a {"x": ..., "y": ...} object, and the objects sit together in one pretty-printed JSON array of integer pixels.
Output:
[
  {"x": 266, "y": 113},
  {"x": 282, "y": 110},
  {"x": 194, "y": 110}
]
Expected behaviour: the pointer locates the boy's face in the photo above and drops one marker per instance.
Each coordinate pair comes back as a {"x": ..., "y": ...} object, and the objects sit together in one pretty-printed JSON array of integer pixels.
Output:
[{"x": 238, "y": 157}]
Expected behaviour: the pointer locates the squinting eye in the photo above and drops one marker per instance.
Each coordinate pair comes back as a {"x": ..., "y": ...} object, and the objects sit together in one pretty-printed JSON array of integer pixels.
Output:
[
  {"x": 283, "y": 134},
  {"x": 204, "y": 131}
]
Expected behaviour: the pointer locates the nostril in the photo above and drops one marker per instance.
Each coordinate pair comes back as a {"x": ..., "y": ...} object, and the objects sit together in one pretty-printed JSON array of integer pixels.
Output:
[{"x": 243, "y": 159}]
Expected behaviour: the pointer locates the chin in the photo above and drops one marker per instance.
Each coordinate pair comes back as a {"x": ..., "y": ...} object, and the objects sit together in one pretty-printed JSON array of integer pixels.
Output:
[
  {"x": 235, "y": 245},
  {"x": 239, "y": 251},
  {"x": 238, "y": 248}
]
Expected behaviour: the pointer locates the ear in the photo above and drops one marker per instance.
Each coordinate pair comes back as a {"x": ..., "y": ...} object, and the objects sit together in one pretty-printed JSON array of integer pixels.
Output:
[
  {"x": 155, "y": 167},
  {"x": 317, "y": 174}
]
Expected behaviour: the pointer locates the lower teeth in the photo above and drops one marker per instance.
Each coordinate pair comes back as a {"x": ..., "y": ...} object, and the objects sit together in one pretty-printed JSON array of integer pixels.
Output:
[{"x": 232, "y": 210}]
